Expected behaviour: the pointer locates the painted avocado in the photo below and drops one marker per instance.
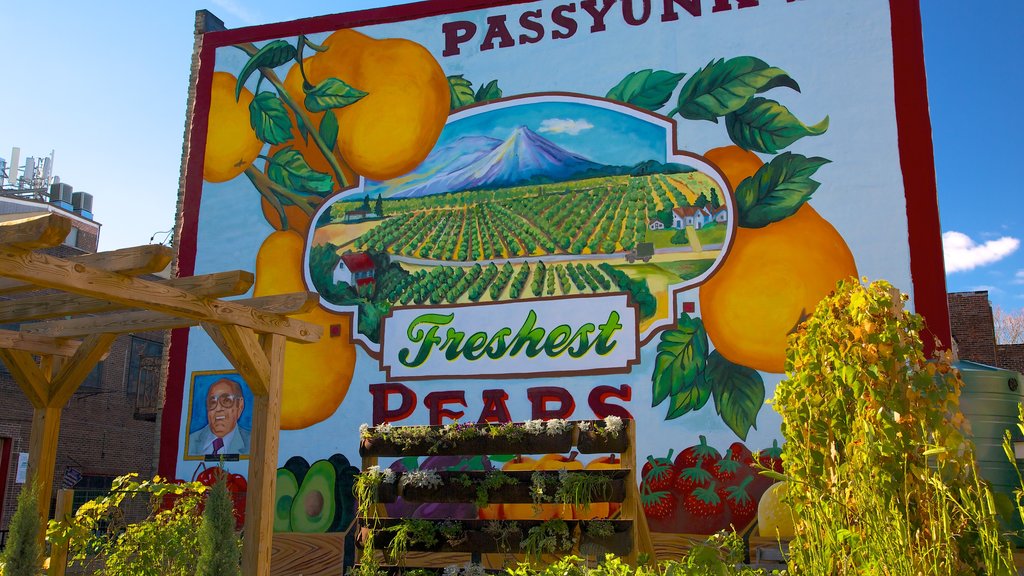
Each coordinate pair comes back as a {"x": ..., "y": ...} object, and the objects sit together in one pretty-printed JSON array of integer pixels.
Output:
[
  {"x": 287, "y": 486},
  {"x": 289, "y": 477},
  {"x": 315, "y": 506},
  {"x": 345, "y": 492}
]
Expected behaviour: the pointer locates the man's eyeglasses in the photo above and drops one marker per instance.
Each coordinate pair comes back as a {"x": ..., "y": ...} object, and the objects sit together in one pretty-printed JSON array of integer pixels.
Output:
[{"x": 225, "y": 400}]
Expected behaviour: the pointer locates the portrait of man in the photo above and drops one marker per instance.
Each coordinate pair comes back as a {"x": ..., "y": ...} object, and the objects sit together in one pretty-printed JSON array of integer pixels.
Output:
[{"x": 222, "y": 431}]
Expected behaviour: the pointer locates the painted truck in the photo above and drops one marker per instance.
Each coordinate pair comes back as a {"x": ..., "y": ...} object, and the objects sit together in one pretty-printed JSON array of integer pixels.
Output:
[{"x": 464, "y": 182}]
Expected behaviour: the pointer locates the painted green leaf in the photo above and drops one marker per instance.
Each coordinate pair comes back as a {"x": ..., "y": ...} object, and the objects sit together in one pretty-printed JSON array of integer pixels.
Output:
[
  {"x": 725, "y": 86},
  {"x": 289, "y": 169},
  {"x": 647, "y": 89},
  {"x": 271, "y": 55},
  {"x": 682, "y": 354},
  {"x": 331, "y": 93},
  {"x": 269, "y": 118},
  {"x": 329, "y": 129},
  {"x": 777, "y": 190},
  {"x": 489, "y": 91},
  {"x": 766, "y": 126},
  {"x": 738, "y": 392},
  {"x": 689, "y": 399},
  {"x": 461, "y": 91}
]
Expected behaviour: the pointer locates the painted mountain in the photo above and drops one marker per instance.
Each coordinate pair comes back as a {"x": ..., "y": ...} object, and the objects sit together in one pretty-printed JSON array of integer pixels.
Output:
[{"x": 476, "y": 162}]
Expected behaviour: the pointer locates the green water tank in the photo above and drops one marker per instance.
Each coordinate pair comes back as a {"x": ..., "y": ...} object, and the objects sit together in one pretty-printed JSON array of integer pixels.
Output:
[{"x": 989, "y": 401}]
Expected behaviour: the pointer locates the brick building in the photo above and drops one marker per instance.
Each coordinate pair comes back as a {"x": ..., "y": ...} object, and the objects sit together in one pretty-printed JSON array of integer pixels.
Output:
[
  {"x": 109, "y": 427},
  {"x": 970, "y": 317}
]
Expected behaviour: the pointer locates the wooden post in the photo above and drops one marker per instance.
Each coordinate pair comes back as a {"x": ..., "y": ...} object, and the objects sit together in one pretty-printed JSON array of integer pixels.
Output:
[
  {"x": 59, "y": 552},
  {"x": 42, "y": 457},
  {"x": 641, "y": 533},
  {"x": 266, "y": 423}
]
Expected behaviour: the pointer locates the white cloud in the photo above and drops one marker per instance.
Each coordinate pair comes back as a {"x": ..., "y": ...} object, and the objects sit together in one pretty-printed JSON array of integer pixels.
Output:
[
  {"x": 1018, "y": 278},
  {"x": 962, "y": 253},
  {"x": 565, "y": 126},
  {"x": 238, "y": 10}
]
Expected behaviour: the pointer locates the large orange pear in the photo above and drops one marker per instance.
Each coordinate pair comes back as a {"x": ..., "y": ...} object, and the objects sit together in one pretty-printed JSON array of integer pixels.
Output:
[
  {"x": 392, "y": 129},
  {"x": 317, "y": 376}
]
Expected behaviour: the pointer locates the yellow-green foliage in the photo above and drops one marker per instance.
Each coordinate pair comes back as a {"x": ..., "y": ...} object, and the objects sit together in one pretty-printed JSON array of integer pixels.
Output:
[
  {"x": 101, "y": 540},
  {"x": 882, "y": 479}
]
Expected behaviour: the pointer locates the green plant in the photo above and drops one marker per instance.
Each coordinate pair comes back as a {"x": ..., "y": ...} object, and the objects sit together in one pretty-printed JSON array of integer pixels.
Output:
[
  {"x": 453, "y": 532},
  {"x": 410, "y": 532},
  {"x": 599, "y": 529},
  {"x": 503, "y": 532},
  {"x": 493, "y": 480},
  {"x": 367, "y": 489},
  {"x": 165, "y": 543},
  {"x": 579, "y": 489},
  {"x": 22, "y": 555},
  {"x": 547, "y": 538},
  {"x": 219, "y": 545},
  {"x": 881, "y": 477}
]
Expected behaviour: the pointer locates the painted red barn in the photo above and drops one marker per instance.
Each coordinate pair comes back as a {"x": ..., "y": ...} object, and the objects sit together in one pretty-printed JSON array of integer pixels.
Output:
[{"x": 354, "y": 269}]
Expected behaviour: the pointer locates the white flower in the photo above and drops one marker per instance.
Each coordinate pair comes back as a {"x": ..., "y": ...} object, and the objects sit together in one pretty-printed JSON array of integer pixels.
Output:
[
  {"x": 384, "y": 429},
  {"x": 584, "y": 426},
  {"x": 451, "y": 571},
  {"x": 388, "y": 476},
  {"x": 364, "y": 430},
  {"x": 422, "y": 479},
  {"x": 613, "y": 425},
  {"x": 474, "y": 570},
  {"x": 556, "y": 426},
  {"x": 534, "y": 426}
]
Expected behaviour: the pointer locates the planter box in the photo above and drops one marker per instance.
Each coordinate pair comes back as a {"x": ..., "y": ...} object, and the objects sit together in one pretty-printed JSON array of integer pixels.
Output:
[
  {"x": 591, "y": 442},
  {"x": 520, "y": 493},
  {"x": 620, "y": 543},
  {"x": 483, "y": 444},
  {"x": 477, "y": 539}
]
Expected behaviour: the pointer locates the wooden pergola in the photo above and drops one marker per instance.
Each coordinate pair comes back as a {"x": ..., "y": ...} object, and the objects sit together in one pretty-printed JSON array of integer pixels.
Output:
[{"x": 87, "y": 301}]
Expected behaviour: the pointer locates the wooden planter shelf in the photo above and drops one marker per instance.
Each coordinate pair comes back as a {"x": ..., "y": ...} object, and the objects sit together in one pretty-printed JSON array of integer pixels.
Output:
[
  {"x": 455, "y": 489},
  {"x": 630, "y": 532}
]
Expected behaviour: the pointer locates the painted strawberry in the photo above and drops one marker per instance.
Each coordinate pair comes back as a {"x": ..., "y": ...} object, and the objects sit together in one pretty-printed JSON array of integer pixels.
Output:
[
  {"x": 658, "y": 473},
  {"x": 742, "y": 506},
  {"x": 740, "y": 453},
  {"x": 703, "y": 512},
  {"x": 659, "y": 508},
  {"x": 690, "y": 478},
  {"x": 771, "y": 457},
  {"x": 729, "y": 470},
  {"x": 702, "y": 451}
]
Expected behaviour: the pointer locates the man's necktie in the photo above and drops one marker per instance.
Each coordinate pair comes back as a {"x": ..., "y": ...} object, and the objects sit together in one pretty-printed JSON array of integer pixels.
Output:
[{"x": 218, "y": 443}]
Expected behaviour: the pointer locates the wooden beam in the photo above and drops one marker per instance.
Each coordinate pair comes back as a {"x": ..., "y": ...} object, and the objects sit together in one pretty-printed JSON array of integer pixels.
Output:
[
  {"x": 37, "y": 344},
  {"x": 93, "y": 349},
  {"x": 31, "y": 308},
  {"x": 263, "y": 448},
  {"x": 134, "y": 261},
  {"x": 213, "y": 331},
  {"x": 250, "y": 361},
  {"x": 130, "y": 322},
  {"x": 42, "y": 457},
  {"x": 29, "y": 377},
  {"x": 59, "y": 550},
  {"x": 37, "y": 231},
  {"x": 50, "y": 272}
]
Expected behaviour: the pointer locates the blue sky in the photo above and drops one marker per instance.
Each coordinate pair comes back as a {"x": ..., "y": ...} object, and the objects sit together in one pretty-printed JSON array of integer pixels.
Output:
[{"x": 103, "y": 84}]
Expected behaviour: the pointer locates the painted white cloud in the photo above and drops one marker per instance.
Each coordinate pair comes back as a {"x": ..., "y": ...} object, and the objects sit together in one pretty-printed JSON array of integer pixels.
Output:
[
  {"x": 238, "y": 10},
  {"x": 1018, "y": 278},
  {"x": 565, "y": 126},
  {"x": 962, "y": 253}
]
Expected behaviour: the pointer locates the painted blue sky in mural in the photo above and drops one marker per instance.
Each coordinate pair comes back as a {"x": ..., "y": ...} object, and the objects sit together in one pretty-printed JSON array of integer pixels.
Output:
[{"x": 119, "y": 136}]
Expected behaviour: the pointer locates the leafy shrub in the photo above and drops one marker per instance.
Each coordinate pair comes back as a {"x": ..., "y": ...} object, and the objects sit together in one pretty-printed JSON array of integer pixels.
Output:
[
  {"x": 21, "y": 556},
  {"x": 882, "y": 479},
  {"x": 102, "y": 541}
]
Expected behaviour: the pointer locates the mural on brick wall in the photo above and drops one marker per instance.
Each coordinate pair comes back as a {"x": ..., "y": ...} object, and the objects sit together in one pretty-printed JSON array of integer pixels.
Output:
[{"x": 550, "y": 211}]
